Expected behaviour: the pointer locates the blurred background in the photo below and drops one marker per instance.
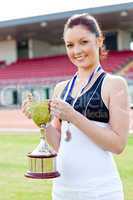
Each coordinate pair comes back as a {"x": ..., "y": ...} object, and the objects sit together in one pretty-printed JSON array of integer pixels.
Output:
[{"x": 33, "y": 59}]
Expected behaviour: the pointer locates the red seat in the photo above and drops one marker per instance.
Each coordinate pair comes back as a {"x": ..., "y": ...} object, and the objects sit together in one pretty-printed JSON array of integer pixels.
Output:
[{"x": 56, "y": 66}]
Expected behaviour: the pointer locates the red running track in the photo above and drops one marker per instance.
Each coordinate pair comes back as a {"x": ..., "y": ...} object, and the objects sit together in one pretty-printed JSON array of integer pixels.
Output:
[{"x": 15, "y": 119}]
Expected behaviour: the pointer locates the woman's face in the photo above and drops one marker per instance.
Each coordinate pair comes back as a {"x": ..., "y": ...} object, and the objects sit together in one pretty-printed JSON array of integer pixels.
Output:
[{"x": 82, "y": 47}]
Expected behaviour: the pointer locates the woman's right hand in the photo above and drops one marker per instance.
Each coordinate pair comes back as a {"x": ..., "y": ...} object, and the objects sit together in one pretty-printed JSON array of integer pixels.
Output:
[{"x": 26, "y": 105}]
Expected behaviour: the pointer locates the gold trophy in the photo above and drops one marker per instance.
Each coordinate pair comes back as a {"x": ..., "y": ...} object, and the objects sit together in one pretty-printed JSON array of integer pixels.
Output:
[{"x": 42, "y": 161}]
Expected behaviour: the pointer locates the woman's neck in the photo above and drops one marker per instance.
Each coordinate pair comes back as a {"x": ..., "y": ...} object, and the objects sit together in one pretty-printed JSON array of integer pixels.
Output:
[{"x": 84, "y": 73}]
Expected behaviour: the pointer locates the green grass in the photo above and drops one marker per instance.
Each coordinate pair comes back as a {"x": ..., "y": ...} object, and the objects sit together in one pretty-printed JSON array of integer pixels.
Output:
[
  {"x": 125, "y": 166},
  {"x": 13, "y": 165}
]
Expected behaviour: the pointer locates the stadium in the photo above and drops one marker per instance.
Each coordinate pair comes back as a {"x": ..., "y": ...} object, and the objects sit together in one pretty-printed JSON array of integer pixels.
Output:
[{"x": 33, "y": 59}]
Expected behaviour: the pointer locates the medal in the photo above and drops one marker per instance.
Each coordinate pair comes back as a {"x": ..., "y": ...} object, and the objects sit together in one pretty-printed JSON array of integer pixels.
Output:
[
  {"x": 68, "y": 92},
  {"x": 68, "y": 133}
]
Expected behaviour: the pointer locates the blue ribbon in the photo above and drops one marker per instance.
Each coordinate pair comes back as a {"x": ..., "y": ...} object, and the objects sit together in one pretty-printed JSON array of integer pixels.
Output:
[{"x": 72, "y": 81}]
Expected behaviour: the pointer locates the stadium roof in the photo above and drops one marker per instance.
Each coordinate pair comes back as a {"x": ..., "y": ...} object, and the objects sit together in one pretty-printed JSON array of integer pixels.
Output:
[{"x": 50, "y": 27}]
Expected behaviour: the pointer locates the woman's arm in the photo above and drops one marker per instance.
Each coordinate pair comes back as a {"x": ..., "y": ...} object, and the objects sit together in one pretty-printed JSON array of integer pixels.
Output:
[
  {"x": 53, "y": 133},
  {"x": 111, "y": 138}
]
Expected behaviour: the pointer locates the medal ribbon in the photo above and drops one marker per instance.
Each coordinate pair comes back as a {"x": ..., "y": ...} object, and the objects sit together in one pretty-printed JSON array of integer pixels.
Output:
[{"x": 72, "y": 82}]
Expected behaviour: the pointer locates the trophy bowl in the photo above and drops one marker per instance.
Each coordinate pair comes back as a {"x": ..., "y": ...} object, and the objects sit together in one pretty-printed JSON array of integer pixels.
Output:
[{"x": 42, "y": 160}]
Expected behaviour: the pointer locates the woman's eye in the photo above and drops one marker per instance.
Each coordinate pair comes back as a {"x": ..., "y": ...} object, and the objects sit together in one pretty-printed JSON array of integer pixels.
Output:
[
  {"x": 69, "y": 45},
  {"x": 84, "y": 41}
]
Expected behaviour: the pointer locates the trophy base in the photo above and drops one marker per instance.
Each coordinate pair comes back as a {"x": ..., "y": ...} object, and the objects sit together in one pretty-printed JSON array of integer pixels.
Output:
[{"x": 42, "y": 175}]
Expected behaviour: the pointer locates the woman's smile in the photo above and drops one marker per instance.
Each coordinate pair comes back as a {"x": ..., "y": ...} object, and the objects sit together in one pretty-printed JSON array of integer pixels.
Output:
[{"x": 80, "y": 58}]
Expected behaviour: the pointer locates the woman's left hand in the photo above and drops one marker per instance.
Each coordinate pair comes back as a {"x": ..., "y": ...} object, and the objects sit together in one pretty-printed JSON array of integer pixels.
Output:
[{"x": 61, "y": 109}]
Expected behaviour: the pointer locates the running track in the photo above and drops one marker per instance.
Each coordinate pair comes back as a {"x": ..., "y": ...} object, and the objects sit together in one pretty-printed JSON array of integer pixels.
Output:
[{"x": 15, "y": 119}]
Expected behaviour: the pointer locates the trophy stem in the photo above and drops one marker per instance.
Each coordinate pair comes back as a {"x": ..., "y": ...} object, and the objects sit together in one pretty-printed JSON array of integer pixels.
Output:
[
  {"x": 43, "y": 138},
  {"x": 42, "y": 132}
]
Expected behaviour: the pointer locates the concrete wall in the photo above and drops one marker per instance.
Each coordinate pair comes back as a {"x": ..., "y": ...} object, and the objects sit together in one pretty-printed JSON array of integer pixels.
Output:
[
  {"x": 124, "y": 39},
  {"x": 8, "y": 51},
  {"x": 39, "y": 48}
]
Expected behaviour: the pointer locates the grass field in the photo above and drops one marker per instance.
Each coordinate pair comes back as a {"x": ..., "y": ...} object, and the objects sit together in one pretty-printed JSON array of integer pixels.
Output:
[{"x": 13, "y": 165}]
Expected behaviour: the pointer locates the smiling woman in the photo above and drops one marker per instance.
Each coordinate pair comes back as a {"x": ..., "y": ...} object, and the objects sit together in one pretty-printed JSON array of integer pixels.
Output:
[
  {"x": 90, "y": 119},
  {"x": 93, "y": 122}
]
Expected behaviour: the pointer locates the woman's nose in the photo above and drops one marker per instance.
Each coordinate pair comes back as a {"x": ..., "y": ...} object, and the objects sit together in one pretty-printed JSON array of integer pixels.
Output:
[{"x": 77, "y": 50}]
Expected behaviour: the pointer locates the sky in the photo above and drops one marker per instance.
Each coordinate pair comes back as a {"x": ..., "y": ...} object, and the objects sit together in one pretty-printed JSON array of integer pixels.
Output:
[{"x": 15, "y": 9}]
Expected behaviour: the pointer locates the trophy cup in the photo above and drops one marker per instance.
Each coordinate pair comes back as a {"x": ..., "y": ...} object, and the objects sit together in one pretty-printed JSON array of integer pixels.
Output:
[{"x": 42, "y": 161}]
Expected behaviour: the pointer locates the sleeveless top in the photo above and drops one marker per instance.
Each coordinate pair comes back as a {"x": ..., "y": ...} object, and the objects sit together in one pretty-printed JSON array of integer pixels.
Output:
[
  {"x": 96, "y": 110},
  {"x": 81, "y": 163}
]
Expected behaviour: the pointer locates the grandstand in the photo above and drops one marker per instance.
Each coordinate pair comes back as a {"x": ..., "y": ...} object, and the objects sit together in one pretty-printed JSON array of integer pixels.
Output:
[
  {"x": 127, "y": 70},
  {"x": 33, "y": 57},
  {"x": 43, "y": 70}
]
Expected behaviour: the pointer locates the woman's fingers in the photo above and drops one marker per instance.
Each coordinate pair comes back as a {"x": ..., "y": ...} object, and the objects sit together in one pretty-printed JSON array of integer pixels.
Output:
[
  {"x": 58, "y": 108},
  {"x": 55, "y": 103},
  {"x": 49, "y": 104},
  {"x": 28, "y": 114},
  {"x": 26, "y": 105},
  {"x": 56, "y": 113},
  {"x": 55, "y": 108},
  {"x": 30, "y": 97}
]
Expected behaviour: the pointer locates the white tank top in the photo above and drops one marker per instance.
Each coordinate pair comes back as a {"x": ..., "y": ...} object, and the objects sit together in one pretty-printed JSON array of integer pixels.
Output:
[{"x": 81, "y": 162}]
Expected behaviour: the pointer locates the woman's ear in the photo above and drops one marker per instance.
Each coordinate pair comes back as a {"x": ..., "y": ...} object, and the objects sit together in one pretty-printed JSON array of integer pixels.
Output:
[{"x": 100, "y": 40}]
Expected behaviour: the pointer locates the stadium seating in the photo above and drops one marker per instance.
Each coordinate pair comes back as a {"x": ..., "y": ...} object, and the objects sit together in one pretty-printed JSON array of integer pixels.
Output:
[
  {"x": 57, "y": 66},
  {"x": 38, "y": 67},
  {"x": 129, "y": 73},
  {"x": 116, "y": 60},
  {"x": 127, "y": 70}
]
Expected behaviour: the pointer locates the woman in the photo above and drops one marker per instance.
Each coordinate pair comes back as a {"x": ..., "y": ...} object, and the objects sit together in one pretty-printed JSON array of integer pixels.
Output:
[{"x": 90, "y": 119}]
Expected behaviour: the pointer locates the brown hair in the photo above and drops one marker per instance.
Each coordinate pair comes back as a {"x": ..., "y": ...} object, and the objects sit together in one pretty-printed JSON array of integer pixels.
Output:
[{"x": 88, "y": 22}]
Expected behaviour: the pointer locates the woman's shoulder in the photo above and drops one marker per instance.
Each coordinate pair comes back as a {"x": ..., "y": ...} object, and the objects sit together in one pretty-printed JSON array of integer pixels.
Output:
[
  {"x": 59, "y": 88},
  {"x": 115, "y": 82},
  {"x": 113, "y": 79}
]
